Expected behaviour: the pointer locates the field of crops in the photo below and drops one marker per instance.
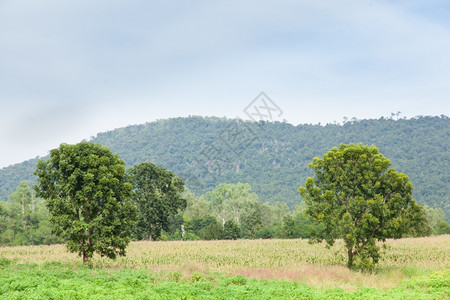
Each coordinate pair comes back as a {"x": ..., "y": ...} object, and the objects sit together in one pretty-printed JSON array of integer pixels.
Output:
[{"x": 410, "y": 268}]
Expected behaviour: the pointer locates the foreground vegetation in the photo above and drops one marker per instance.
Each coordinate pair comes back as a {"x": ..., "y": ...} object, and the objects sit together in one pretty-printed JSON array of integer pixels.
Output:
[
  {"x": 416, "y": 268},
  {"x": 58, "y": 281}
]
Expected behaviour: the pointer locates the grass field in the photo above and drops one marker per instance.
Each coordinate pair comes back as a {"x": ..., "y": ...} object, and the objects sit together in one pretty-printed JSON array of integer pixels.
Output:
[{"x": 410, "y": 268}]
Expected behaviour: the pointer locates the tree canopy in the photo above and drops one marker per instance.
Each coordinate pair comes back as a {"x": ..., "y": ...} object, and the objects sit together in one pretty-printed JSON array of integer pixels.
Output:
[
  {"x": 24, "y": 198},
  {"x": 360, "y": 199},
  {"x": 233, "y": 202},
  {"x": 157, "y": 196},
  {"x": 87, "y": 194}
]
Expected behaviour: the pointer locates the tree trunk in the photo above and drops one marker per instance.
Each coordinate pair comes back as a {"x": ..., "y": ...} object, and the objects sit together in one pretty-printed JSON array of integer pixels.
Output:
[
  {"x": 150, "y": 231},
  {"x": 222, "y": 219},
  {"x": 83, "y": 252},
  {"x": 85, "y": 258},
  {"x": 24, "y": 220},
  {"x": 33, "y": 204},
  {"x": 350, "y": 257}
]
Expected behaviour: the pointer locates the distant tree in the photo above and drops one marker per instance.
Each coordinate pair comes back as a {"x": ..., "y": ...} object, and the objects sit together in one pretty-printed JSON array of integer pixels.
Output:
[
  {"x": 300, "y": 225},
  {"x": 360, "y": 199},
  {"x": 214, "y": 231},
  {"x": 43, "y": 233},
  {"x": 157, "y": 196},
  {"x": 231, "y": 230},
  {"x": 196, "y": 207},
  {"x": 88, "y": 198},
  {"x": 442, "y": 228},
  {"x": 252, "y": 222},
  {"x": 435, "y": 217},
  {"x": 233, "y": 202},
  {"x": 196, "y": 225},
  {"x": 24, "y": 220},
  {"x": 3, "y": 221},
  {"x": 276, "y": 213},
  {"x": 417, "y": 224},
  {"x": 23, "y": 197}
]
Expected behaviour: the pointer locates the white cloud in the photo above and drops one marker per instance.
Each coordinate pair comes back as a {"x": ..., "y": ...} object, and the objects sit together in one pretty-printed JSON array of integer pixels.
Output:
[{"x": 113, "y": 63}]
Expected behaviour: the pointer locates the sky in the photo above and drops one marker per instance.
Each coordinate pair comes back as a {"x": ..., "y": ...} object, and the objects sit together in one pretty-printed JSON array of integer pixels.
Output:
[{"x": 71, "y": 69}]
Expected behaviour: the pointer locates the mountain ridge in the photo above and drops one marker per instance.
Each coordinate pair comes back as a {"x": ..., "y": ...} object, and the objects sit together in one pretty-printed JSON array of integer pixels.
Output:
[{"x": 272, "y": 157}]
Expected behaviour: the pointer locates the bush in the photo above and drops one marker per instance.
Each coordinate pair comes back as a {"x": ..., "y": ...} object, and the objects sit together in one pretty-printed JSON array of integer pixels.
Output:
[
  {"x": 442, "y": 228},
  {"x": 231, "y": 230},
  {"x": 188, "y": 236},
  {"x": 213, "y": 231}
]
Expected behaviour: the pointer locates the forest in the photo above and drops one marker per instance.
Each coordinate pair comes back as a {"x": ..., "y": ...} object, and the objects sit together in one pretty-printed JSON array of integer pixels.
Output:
[
  {"x": 272, "y": 157},
  {"x": 153, "y": 203},
  {"x": 228, "y": 212}
]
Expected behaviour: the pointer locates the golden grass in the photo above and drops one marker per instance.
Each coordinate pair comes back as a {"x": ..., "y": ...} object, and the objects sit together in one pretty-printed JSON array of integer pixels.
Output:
[{"x": 270, "y": 259}]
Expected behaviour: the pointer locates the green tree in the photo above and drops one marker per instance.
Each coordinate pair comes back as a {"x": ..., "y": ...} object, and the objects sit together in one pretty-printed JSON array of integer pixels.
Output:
[
  {"x": 43, "y": 233},
  {"x": 197, "y": 207},
  {"x": 417, "y": 223},
  {"x": 231, "y": 230},
  {"x": 4, "y": 218},
  {"x": 233, "y": 202},
  {"x": 157, "y": 196},
  {"x": 24, "y": 198},
  {"x": 442, "y": 228},
  {"x": 24, "y": 220},
  {"x": 196, "y": 225},
  {"x": 213, "y": 231},
  {"x": 435, "y": 217},
  {"x": 359, "y": 198},
  {"x": 300, "y": 225},
  {"x": 88, "y": 198},
  {"x": 252, "y": 222}
]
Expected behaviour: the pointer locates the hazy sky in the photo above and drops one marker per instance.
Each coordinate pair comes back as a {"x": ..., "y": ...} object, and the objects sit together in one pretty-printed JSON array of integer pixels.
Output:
[{"x": 70, "y": 69}]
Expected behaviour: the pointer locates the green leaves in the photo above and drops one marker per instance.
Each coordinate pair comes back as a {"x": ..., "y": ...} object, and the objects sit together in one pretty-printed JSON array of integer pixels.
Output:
[
  {"x": 88, "y": 198},
  {"x": 234, "y": 202},
  {"x": 157, "y": 195},
  {"x": 359, "y": 199}
]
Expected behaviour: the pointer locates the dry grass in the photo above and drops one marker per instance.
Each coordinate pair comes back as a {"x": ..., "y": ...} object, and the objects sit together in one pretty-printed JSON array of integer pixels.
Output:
[{"x": 270, "y": 259}]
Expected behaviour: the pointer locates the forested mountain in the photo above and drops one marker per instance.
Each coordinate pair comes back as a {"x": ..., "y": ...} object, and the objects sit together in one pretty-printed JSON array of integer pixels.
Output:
[{"x": 273, "y": 157}]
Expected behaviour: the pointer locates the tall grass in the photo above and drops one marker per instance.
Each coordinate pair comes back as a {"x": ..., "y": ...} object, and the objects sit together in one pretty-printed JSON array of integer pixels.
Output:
[{"x": 269, "y": 259}]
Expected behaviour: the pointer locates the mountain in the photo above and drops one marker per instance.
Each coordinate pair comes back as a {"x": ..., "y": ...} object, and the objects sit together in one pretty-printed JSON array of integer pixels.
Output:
[{"x": 273, "y": 157}]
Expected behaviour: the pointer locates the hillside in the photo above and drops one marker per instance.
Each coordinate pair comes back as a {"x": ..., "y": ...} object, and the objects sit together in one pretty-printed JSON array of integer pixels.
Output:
[{"x": 273, "y": 157}]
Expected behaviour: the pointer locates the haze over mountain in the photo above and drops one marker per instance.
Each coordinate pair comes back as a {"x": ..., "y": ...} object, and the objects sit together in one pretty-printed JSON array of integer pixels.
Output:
[{"x": 273, "y": 157}]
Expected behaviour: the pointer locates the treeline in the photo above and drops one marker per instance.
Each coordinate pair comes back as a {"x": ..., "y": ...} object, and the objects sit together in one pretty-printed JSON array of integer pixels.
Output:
[
  {"x": 233, "y": 211},
  {"x": 229, "y": 211},
  {"x": 273, "y": 157},
  {"x": 24, "y": 219}
]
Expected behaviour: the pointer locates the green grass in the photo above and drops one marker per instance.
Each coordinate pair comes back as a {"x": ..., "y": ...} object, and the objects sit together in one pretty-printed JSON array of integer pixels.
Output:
[
  {"x": 55, "y": 280},
  {"x": 294, "y": 260},
  {"x": 414, "y": 268}
]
